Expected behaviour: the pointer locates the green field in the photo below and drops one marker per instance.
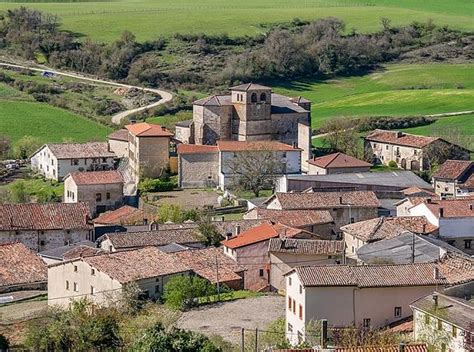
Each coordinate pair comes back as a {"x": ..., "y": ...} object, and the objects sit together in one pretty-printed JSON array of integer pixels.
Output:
[
  {"x": 397, "y": 90},
  {"x": 152, "y": 18}
]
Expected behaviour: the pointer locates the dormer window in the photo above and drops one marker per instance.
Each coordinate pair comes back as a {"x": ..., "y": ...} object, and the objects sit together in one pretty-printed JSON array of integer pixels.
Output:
[
  {"x": 263, "y": 97},
  {"x": 253, "y": 98}
]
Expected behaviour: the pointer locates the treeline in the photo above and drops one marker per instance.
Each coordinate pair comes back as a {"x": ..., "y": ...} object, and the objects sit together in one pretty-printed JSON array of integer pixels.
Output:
[{"x": 296, "y": 49}]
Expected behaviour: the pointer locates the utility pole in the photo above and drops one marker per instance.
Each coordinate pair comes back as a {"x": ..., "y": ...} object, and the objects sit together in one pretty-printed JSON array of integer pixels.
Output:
[
  {"x": 217, "y": 279},
  {"x": 242, "y": 336}
]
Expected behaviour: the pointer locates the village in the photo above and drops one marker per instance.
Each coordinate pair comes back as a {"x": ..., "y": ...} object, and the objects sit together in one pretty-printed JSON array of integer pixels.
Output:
[{"x": 238, "y": 201}]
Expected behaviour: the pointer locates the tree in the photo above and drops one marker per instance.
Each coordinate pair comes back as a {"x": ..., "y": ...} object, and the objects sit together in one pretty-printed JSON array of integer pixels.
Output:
[
  {"x": 18, "y": 192},
  {"x": 209, "y": 233},
  {"x": 175, "y": 213},
  {"x": 26, "y": 146},
  {"x": 255, "y": 170},
  {"x": 182, "y": 291},
  {"x": 341, "y": 135}
]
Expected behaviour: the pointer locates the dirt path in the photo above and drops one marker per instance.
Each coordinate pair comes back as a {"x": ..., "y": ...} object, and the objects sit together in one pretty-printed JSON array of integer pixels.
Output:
[{"x": 165, "y": 96}]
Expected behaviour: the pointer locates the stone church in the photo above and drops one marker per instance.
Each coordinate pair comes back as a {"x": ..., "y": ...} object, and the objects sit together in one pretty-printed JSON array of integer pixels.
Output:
[{"x": 251, "y": 112}]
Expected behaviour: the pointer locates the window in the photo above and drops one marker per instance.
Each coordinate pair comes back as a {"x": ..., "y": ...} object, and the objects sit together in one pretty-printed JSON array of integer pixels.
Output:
[
  {"x": 263, "y": 97},
  {"x": 366, "y": 323},
  {"x": 455, "y": 331},
  {"x": 301, "y": 289},
  {"x": 104, "y": 160},
  {"x": 294, "y": 307},
  {"x": 98, "y": 197},
  {"x": 110, "y": 248},
  {"x": 92, "y": 290},
  {"x": 427, "y": 319},
  {"x": 289, "y": 303},
  {"x": 451, "y": 242},
  {"x": 467, "y": 244},
  {"x": 75, "y": 161},
  {"x": 253, "y": 98},
  {"x": 386, "y": 147},
  {"x": 41, "y": 243},
  {"x": 284, "y": 154},
  {"x": 260, "y": 272},
  {"x": 76, "y": 287},
  {"x": 107, "y": 195},
  {"x": 75, "y": 268},
  {"x": 415, "y": 152},
  {"x": 397, "y": 312},
  {"x": 67, "y": 285},
  {"x": 301, "y": 312},
  {"x": 92, "y": 271},
  {"x": 290, "y": 327},
  {"x": 352, "y": 249},
  {"x": 157, "y": 289},
  {"x": 352, "y": 220},
  {"x": 289, "y": 281}
]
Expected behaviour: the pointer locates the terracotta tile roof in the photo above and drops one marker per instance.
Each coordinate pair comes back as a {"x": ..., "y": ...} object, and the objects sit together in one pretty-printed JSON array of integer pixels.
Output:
[
  {"x": 420, "y": 274},
  {"x": 120, "y": 135},
  {"x": 400, "y": 138},
  {"x": 338, "y": 160},
  {"x": 456, "y": 269},
  {"x": 384, "y": 228},
  {"x": 417, "y": 347},
  {"x": 230, "y": 226},
  {"x": 197, "y": 149},
  {"x": 48, "y": 216},
  {"x": 129, "y": 266},
  {"x": 59, "y": 253},
  {"x": 237, "y": 146},
  {"x": 19, "y": 265},
  {"x": 214, "y": 100},
  {"x": 249, "y": 86},
  {"x": 323, "y": 200},
  {"x": 125, "y": 215},
  {"x": 403, "y": 326},
  {"x": 203, "y": 263},
  {"x": 295, "y": 218},
  {"x": 96, "y": 177},
  {"x": 127, "y": 240},
  {"x": 81, "y": 150},
  {"x": 417, "y": 191},
  {"x": 261, "y": 233},
  {"x": 81, "y": 252},
  {"x": 453, "y": 310},
  {"x": 452, "y": 208},
  {"x": 144, "y": 129},
  {"x": 453, "y": 169},
  {"x": 303, "y": 246}
]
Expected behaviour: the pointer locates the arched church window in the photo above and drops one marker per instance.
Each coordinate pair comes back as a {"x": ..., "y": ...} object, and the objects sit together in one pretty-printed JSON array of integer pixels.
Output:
[
  {"x": 263, "y": 97},
  {"x": 253, "y": 98}
]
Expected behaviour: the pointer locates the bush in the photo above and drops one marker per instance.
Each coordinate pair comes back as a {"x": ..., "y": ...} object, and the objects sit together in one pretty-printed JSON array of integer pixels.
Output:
[
  {"x": 156, "y": 185},
  {"x": 393, "y": 164},
  {"x": 182, "y": 292}
]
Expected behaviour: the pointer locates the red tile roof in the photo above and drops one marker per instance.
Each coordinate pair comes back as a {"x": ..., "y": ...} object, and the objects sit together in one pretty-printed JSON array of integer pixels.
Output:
[
  {"x": 237, "y": 146},
  {"x": 400, "y": 138},
  {"x": 144, "y": 129},
  {"x": 417, "y": 191},
  {"x": 19, "y": 265},
  {"x": 420, "y": 274},
  {"x": 303, "y": 246},
  {"x": 49, "y": 216},
  {"x": 197, "y": 149},
  {"x": 452, "y": 208},
  {"x": 417, "y": 347},
  {"x": 453, "y": 169},
  {"x": 120, "y": 135},
  {"x": 144, "y": 263},
  {"x": 80, "y": 252},
  {"x": 456, "y": 269},
  {"x": 80, "y": 150},
  {"x": 96, "y": 177},
  {"x": 295, "y": 218},
  {"x": 338, "y": 160},
  {"x": 125, "y": 215}
]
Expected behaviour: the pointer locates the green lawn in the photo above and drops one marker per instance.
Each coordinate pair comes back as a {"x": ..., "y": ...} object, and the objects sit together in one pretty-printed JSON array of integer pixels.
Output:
[
  {"x": 396, "y": 90},
  {"x": 152, "y": 18},
  {"x": 37, "y": 187},
  {"x": 169, "y": 121}
]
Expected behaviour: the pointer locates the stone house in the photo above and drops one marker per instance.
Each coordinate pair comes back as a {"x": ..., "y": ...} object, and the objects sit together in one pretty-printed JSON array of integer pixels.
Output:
[
  {"x": 54, "y": 161},
  {"x": 454, "y": 219},
  {"x": 288, "y": 253},
  {"x": 360, "y": 233},
  {"x": 45, "y": 226},
  {"x": 251, "y": 112},
  {"x": 102, "y": 277},
  {"x": 371, "y": 296},
  {"x": 336, "y": 163},
  {"x": 407, "y": 150},
  {"x": 250, "y": 250},
  {"x": 21, "y": 269},
  {"x": 102, "y": 190},
  {"x": 344, "y": 207},
  {"x": 454, "y": 179},
  {"x": 118, "y": 143},
  {"x": 208, "y": 166},
  {"x": 445, "y": 320}
]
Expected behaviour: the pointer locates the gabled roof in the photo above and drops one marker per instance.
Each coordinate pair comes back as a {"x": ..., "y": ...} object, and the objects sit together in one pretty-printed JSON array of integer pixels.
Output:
[
  {"x": 120, "y": 135},
  {"x": 214, "y": 100},
  {"x": 125, "y": 215},
  {"x": 456, "y": 311},
  {"x": 456, "y": 269},
  {"x": 144, "y": 129},
  {"x": 452, "y": 208},
  {"x": 303, "y": 246},
  {"x": 417, "y": 191},
  {"x": 129, "y": 266},
  {"x": 384, "y": 228},
  {"x": 324, "y": 200},
  {"x": 237, "y": 146},
  {"x": 72, "y": 251},
  {"x": 362, "y": 276},
  {"x": 79, "y": 150},
  {"x": 295, "y": 218},
  {"x": 249, "y": 86},
  {"x": 338, "y": 160},
  {"x": 454, "y": 169},
  {"x": 412, "y": 347},
  {"x": 48, "y": 216},
  {"x": 400, "y": 138},
  {"x": 96, "y": 177},
  {"x": 19, "y": 265},
  {"x": 197, "y": 149}
]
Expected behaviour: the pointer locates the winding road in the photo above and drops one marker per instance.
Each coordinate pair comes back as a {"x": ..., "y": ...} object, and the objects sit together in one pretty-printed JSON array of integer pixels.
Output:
[{"x": 117, "y": 118}]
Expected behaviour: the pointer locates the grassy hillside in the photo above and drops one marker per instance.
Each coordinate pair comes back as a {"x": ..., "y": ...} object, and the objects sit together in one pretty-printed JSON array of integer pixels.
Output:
[
  {"x": 397, "y": 90},
  {"x": 151, "y": 18}
]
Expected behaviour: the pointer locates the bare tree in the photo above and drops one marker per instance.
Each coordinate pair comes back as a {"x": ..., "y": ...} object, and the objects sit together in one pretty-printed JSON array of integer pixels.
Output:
[{"x": 342, "y": 136}]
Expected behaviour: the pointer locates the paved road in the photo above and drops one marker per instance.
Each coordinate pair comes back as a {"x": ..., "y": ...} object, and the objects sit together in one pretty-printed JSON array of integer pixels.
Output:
[{"x": 165, "y": 96}]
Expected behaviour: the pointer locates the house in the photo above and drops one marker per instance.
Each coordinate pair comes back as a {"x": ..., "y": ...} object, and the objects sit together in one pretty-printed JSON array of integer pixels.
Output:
[
  {"x": 361, "y": 233},
  {"x": 148, "y": 149},
  {"x": 344, "y": 207},
  {"x": 454, "y": 179},
  {"x": 287, "y": 253},
  {"x": 125, "y": 215},
  {"x": 454, "y": 219},
  {"x": 118, "y": 143},
  {"x": 370, "y": 296},
  {"x": 443, "y": 321},
  {"x": 45, "y": 226},
  {"x": 336, "y": 163},
  {"x": 102, "y": 190},
  {"x": 316, "y": 221},
  {"x": 21, "y": 269},
  {"x": 214, "y": 266},
  {"x": 103, "y": 277},
  {"x": 68, "y": 252},
  {"x": 209, "y": 166},
  {"x": 251, "y": 112},
  {"x": 54, "y": 161},
  {"x": 378, "y": 182},
  {"x": 250, "y": 249},
  {"x": 409, "y": 151}
]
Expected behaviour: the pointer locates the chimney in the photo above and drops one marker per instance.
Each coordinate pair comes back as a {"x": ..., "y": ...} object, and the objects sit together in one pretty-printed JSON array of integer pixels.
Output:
[
  {"x": 435, "y": 273},
  {"x": 428, "y": 200},
  {"x": 470, "y": 206},
  {"x": 435, "y": 299},
  {"x": 163, "y": 128},
  {"x": 401, "y": 347},
  {"x": 295, "y": 145},
  {"x": 399, "y": 134},
  {"x": 340, "y": 200},
  {"x": 228, "y": 236},
  {"x": 314, "y": 157},
  {"x": 237, "y": 230},
  {"x": 441, "y": 212},
  {"x": 424, "y": 228}
]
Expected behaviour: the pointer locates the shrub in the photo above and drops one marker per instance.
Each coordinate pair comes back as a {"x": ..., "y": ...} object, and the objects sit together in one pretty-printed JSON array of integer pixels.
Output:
[
  {"x": 156, "y": 185},
  {"x": 182, "y": 292},
  {"x": 393, "y": 164}
]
